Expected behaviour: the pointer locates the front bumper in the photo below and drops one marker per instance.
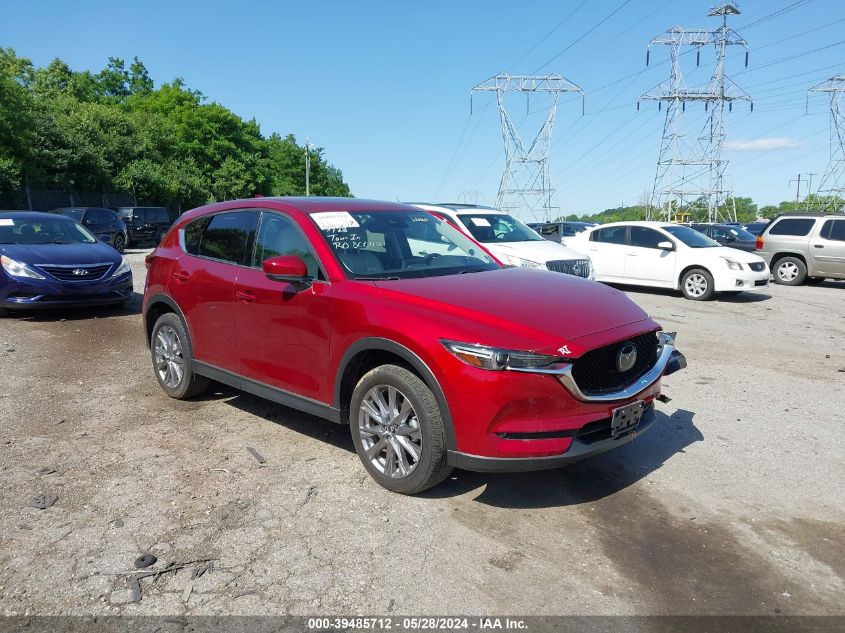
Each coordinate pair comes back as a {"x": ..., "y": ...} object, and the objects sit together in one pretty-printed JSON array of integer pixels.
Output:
[
  {"x": 44, "y": 294},
  {"x": 742, "y": 280},
  {"x": 591, "y": 440}
]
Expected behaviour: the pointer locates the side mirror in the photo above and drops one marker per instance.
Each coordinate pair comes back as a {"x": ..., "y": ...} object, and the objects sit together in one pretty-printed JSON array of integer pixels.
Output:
[
  {"x": 666, "y": 246},
  {"x": 730, "y": 238},
  {"x": 286, "y": 268}
]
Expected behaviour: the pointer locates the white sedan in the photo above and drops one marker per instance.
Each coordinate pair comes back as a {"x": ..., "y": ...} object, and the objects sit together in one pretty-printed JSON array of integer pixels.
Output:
[{"x": 668, "y": 255}]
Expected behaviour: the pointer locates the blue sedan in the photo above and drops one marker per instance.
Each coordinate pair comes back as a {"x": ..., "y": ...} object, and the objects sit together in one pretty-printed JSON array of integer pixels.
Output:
[{"x": 52, "y": 261}]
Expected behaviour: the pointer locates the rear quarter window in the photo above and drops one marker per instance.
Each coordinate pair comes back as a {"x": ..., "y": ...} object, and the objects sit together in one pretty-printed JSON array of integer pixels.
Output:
[{"x": 796, "y": 227}]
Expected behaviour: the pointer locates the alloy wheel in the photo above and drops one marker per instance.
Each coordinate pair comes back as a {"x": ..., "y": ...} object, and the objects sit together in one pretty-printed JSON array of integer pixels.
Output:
[
  {"x": 787, "y": 271},
  {"x": 390, "y": 431},
  {"x": 169, "y": 361},
  {"x": 696, "y": 285},
  {"x": 119, "y": 243}
]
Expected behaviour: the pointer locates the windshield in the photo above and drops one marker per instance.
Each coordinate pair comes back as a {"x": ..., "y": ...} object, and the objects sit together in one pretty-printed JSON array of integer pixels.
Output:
[
  {"x": 40, "y": 231},
  {"x": 495, "y": 228},
  {"x": 690, "y": 237},
  {"x": 740, "y": 233},
  {"x": 399, "y": 245},
  {"x": 76, "y": 214}
]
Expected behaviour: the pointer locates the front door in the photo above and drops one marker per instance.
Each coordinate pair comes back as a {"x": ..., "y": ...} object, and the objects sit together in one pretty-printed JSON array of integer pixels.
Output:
[
  {"x": 828, "y": 248},
  {"x": 283, "y": 332},
  {"x": 645, "y": 262}
]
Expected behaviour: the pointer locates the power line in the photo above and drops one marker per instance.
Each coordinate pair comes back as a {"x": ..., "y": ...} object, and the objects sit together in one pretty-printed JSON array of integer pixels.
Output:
[{"x": 547, "y": 35}]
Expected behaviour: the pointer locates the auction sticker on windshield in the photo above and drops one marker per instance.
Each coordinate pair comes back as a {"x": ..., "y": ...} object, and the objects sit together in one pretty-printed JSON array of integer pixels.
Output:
[
  {"x": 7, "y": 222},
  {"x": 332, "y": 220}
]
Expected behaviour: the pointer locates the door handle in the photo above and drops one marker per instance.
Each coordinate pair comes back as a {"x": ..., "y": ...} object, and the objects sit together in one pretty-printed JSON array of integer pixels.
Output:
[
  {"x": 245, "y": 296},
  {"x": 181, "y": 276},
  {"x": 818, "y": 245}
]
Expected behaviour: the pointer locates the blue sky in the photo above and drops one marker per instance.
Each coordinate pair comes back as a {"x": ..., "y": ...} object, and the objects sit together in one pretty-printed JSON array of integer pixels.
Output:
[{"x": 384, "y": 85}]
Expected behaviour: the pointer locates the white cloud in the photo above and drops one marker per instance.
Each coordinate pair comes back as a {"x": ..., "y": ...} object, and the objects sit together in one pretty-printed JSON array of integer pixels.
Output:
[{"x": 761, "y": 144}]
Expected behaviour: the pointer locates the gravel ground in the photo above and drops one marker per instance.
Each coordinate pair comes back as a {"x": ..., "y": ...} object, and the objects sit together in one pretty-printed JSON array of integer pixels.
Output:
[{"x": 734, "y": 504}]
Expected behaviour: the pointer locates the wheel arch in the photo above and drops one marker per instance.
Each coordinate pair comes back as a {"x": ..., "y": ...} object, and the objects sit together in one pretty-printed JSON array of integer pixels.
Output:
[
  {"x": 781, "y": 254},
  {"x": 689, "y": 268},
  {"x": 157, "y": 305},
  {"x": 367, "y": 353}
]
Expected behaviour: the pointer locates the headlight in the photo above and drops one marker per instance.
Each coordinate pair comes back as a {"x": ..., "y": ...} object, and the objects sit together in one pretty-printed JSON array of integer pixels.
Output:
[
  {"x": 511, "y": 260},
  {"x": 497, "y": 359},
  {"x": 16, "y": 269},
  {"x": 122, "y": 269},
  {"x": 732, "y": 263}
]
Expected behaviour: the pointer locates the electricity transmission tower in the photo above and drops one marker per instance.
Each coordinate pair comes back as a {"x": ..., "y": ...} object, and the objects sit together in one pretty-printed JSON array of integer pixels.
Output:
[
  {"x": 526, "y": 189},
  {"x": 690, "y": 167},
  {"x": 832, "y": 186}
]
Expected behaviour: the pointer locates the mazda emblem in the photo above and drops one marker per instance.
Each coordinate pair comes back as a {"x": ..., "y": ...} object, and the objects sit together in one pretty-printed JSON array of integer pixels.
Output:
[{"x": 626, "y": 357}]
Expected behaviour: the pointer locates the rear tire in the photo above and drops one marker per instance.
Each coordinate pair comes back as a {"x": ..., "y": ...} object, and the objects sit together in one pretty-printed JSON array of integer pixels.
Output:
[
  {"x": 172, "y": 357},
  {"x": 697, "y": 284},
  {"x": 397, "y": 429},
  {"x": 789, "y": 271}
]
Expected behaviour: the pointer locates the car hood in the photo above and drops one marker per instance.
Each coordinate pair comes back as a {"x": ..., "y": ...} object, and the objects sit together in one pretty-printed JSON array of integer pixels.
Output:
[
  {"x": 535, "y": 251},
  {"x": 530, "y": 309},
  {"x": 61, "y": 254}
]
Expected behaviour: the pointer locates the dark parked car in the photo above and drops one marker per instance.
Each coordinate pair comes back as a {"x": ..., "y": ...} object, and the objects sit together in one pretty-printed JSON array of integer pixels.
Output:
[
  {"x": 103, "y": 223},
  {"x": 729, "y": 235},
  {"x": 558, "y": 231},
  {"x": 51, "y": 261},
  {"x": 757, "y": 228},
  {"x": 145, "y": 223}
]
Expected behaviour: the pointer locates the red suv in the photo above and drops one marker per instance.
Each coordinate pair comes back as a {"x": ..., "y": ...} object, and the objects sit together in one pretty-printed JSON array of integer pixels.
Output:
[{"x": 389, "y": 319}]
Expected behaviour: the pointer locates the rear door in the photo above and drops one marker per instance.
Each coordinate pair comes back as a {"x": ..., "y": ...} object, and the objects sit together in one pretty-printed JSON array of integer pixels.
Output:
[
  {"x": 607, "y": 249},
  {"x": 827, "y": 248},
  {"x": 644, "y": 262},
  {"x": 283, "y": 329},
  {"x": 202, "y": 282}
]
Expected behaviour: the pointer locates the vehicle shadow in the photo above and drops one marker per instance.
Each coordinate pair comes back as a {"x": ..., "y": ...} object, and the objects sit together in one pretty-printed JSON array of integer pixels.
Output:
[
  {"x": 318, "y": 428},
  {"x": 582, "y": 482},
  {"x": 742, "y": 297},
  {"x": 71, "y": 313}
]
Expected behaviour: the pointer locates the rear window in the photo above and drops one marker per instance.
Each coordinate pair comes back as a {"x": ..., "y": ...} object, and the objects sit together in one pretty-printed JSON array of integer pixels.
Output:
[
  {"x": 229, "y": 237},
  {"x": 834, "y": 230},
  {"x": 124, "y": 214},
  {"x": 792, "y": 226},
  {"x": 610, "y": 235}
]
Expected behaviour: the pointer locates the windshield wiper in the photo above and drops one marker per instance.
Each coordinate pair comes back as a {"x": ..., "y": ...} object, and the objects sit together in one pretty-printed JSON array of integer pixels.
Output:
[{"x": 382, "y": 278}]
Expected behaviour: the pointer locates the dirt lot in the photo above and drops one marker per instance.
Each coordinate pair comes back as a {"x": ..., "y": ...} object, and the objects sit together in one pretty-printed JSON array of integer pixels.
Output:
[{"x": 734, "y": 504}]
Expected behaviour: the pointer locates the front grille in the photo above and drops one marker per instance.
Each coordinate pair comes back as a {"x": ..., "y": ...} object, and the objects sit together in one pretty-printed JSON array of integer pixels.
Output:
[
  {"x": 577, "y": 267},
  {"x": 757, "y": 267},
  {"x": 596, "y": 371},
  {"x": 91, "y": 272}
]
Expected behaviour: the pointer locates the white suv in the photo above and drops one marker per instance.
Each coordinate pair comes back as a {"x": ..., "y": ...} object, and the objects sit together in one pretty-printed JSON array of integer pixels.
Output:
[
  {"x": 511, "y": 241},
  {"x": 670, "y": 256}
]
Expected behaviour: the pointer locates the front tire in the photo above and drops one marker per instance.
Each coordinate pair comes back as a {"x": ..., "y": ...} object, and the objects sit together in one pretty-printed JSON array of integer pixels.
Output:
[
  {"x": 397, "y": 429},
  {"x": 119, "y": 243},
  {"x": 790, "y": 271},
  {"x": 697, "y": 284},
  {"x": 172, "y": 356}
]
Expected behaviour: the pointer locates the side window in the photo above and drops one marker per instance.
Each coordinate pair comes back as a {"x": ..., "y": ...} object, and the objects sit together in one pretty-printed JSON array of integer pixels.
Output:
[
  {"x": 834, "y": 230},
  {"x": 277, "y": 235},
  {"x": 718, "y": 234},
  {"x": 193, "y": 234},
  {"x": 793, "y": 226},
  {"x": 161, "y": 215},
  {"x": 610, "y": 235},
  {"x": 229, "y": 236},
  {"x": 646, "y": 238}
]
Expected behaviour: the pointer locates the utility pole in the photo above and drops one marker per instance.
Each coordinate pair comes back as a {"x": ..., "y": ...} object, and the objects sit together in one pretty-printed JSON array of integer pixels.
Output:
[
  {"x": 833, "y": 180},
  {"x": 526, "y": 188},
  {"x": 307, "y": 170},
  {"x": 798, "y": 182},
  {"x": 690, "y": 167},
  {"x": 809, "y": 189}
]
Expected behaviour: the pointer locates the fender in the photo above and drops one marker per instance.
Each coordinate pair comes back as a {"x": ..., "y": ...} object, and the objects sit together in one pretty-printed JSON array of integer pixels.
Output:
[
  {"x": 162, "y": 298},
  {"x": 383, "y": 344}
]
